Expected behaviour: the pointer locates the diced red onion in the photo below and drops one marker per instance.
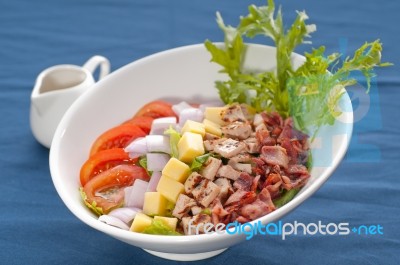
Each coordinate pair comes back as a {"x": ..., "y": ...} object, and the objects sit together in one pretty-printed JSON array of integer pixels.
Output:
[
  {"x": 134, "y": 195},
  {"x": 158, "y": 143},
  {"x": 111, "y": 220},
  {"x": 177, "y": 108},
  {"x": 156, "y": 161},
  {"x": 138, "y": 146},
  {"x": 161, "y": 124},
  {"x": 190, "y": 114},
  {"x": 125, "y": 214},
  {"x": 155, "y": 178}
]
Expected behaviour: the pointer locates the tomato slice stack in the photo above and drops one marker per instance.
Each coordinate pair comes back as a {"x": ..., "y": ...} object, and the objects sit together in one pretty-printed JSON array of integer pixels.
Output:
[{"x": 109, "y": 169}]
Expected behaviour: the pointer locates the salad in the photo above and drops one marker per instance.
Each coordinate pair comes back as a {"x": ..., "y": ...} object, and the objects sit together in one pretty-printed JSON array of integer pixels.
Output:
[
  {"x": 172, "y": 168},
  {"x": 168, "y": 167}
]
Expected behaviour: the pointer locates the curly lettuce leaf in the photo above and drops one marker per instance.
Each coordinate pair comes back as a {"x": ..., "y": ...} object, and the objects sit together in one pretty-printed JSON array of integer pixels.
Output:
[
  {"x": 365, "y": 59},
  {"x": 264, "y": 91},
  {"x": 265, "y": 20},
  {"x": 316, "y": 87}
]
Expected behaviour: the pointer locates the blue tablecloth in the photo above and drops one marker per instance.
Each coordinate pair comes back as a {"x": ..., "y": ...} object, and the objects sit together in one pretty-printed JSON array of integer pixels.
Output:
[{"x": 36, "y": 227}]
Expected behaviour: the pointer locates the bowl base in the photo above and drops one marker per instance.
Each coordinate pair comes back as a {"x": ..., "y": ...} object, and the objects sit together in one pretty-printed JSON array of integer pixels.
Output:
[{"x": 186, "y": 257}]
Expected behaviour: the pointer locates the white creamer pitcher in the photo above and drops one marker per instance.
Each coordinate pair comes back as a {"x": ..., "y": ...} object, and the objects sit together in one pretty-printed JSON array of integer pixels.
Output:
[{"x": 56, "y": 89}]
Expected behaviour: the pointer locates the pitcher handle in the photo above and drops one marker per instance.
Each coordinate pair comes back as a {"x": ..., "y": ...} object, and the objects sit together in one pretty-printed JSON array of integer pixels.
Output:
[{"x": 94, "y": 62}]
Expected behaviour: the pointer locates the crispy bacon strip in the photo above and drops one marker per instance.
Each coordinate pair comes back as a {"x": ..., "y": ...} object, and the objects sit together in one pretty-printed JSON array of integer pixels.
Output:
[{"x": 275, "y": 155}]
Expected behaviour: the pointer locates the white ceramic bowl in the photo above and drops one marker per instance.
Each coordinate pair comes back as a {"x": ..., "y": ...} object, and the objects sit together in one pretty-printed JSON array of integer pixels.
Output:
[{"x": 179, "y": 74}]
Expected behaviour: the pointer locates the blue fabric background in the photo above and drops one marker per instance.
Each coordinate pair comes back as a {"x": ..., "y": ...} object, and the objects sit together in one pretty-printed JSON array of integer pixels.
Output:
[{"x": 36, "y": 227}]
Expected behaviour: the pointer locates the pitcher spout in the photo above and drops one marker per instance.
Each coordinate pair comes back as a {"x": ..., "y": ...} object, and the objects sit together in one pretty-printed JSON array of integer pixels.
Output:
[{"x": 41, "y": 102}]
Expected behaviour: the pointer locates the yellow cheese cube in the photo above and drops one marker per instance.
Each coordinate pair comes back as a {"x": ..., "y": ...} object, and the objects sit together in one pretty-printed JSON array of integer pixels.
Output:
[
  {"x": 176, "y": 170},
  {"x": 141, "y": 222},
  {"x": 154, "y": 203},
  {"x": 190, "y": 146},
  {"x": 194, "y": 127},
  {"x": 170, "y": 221},
  {"x": 214, "y": 114},
  {"x": 212, "y": 127},
  {"x": 169, "y": 188}
]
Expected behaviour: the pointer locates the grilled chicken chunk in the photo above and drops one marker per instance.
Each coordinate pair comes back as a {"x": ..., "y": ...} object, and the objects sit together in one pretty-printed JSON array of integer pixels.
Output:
[
  {"x": 233, "y": 113},
  {"x": 237, "y": 130},
  {"x": 252, "y": 145},
  {"x": 227, "y": 171},
  {"x": 196, "y": 210},
  {"x": 183, "y": 206},
  {"x": 192, "y": 181},
  {"x": 195, "y": 225},
  {"x": 241, "y": 167},
  {"x": 225, "y": 188},
  {"x": 210, "y": 168},
  {"x": 229, "y": 148},
  {"x": 206, "y": 192},
  {"x": 209, "y": 145}
]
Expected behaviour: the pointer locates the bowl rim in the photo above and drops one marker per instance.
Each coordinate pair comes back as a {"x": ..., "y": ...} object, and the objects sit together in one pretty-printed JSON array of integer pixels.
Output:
[{"x": 77, "y": 210}]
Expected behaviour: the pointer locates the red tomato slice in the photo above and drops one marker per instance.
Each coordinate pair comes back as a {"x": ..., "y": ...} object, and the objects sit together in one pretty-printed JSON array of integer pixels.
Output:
[
  {"x": 107, "y": 188},
  {"x": 156, "y": 109},
  {"x": 102, "y": 161},
  {"x": 117, "y": 137},
  {"x": 143, "y": 122}
]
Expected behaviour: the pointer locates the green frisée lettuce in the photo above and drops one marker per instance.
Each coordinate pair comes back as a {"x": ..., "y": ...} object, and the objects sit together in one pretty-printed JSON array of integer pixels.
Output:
[
  {"x": 316, "y": 81},
  {"x": 310, "y": 94},
  {"x": 270, "y": 88}
]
